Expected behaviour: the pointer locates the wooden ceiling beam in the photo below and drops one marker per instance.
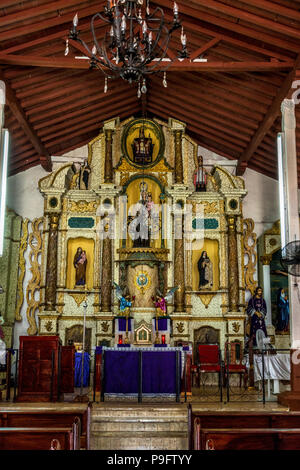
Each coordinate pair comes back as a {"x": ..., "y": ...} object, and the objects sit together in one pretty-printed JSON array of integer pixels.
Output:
[
  {"x": 274, "y": 26},
  {"x": 29, "y": 13},
  {"x": 235, "y": 134},
  {"x": 268, "y": 120},
  {"x": 212, "y": 24},
  {"x": 19, "y": 114},
  {"x": 94, "y": 126},
  {"x": 46, "y": 24},
  {"x": 184, "y": 113},
  {"x": 204, "y": 48},
  {"x": 276, "y": 8},
  {"x": 176, "y": 66},
  {"x": 76, "y": 123},
  {"x": 214, "y": 95}
]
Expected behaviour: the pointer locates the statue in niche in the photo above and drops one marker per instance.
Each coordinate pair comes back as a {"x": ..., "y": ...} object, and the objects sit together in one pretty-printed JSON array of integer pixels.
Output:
[
  {"x": 139, "y": 229},
  {"x": 85, "y": 171},
  {"x": 160, "y": 301},
  {"x": 283, "y": 312},
  {"x": 80, "y": 263},
  {"x": 205, "y": 269},
  {"x": 126, "y": 301},
  {"x": 75, "y": 177},
  {"x": 200, "y": 176},
  {"x": 142, "y": 148}
]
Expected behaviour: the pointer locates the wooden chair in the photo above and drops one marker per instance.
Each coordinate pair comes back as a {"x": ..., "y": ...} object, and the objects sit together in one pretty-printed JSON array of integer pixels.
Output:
[
  {"x": 209, "y": 360},
  {"x": 234, "y": 362}
]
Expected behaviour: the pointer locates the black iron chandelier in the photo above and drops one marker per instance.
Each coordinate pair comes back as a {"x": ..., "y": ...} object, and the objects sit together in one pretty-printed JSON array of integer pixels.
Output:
[{"x": 135, "y": 44}]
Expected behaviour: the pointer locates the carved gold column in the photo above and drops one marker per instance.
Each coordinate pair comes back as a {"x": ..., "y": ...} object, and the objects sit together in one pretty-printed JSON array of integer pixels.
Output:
[
  {"x": 233, "y": 271},
  {"x": 106, "y": 285},
  {"x": 178, "y": 157},
  {"x": 51, "y": 271},
  {"x": 179, "y": 303},
  {"x": 108, "y": 169}
]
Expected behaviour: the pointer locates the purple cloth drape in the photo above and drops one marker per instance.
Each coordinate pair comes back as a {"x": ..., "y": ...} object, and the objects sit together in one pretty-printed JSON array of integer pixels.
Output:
[
  {"x": 158, "y": 372},
  {"x": 122, "y": 324},
  {"x": 162, "y": 324}
]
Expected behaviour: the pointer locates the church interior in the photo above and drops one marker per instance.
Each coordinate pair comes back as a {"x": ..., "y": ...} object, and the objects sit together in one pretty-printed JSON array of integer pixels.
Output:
[{"x": 149, "y": 225}]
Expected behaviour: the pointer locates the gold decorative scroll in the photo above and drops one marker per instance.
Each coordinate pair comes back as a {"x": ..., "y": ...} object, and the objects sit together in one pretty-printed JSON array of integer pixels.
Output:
[
  {"x": 209, "y": 207},
  {"x": 250, "y": 251},
  {"x": 83, "y": 206},
  {"x": 33, "y": 287},
  {"x": 23, "y": 247}
]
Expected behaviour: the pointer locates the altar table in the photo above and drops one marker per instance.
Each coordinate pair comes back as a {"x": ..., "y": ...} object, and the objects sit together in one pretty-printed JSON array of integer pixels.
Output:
[{"x": 138, "y": 370}]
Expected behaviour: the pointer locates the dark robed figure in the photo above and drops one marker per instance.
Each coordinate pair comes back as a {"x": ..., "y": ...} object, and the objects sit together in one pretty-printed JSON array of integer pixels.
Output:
[{"x": 257, "y": 311}]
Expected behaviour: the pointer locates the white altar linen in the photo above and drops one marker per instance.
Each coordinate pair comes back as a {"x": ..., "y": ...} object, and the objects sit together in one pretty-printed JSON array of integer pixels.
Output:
[{"x": 277, "y": 367}]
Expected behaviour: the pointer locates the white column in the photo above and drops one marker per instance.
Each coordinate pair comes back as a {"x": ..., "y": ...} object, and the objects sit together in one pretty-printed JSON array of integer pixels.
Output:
[
  {"x": 2, "y": 103},
  {"x": 267, "y": 292},
  {"x": 290, "y": 183}
]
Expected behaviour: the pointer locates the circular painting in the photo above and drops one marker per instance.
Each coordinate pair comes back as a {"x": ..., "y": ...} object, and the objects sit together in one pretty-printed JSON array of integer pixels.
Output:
[{"x": 143, "y": 143}]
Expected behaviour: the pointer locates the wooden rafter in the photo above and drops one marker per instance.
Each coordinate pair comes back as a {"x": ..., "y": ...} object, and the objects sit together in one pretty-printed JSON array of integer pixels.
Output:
[
  {"x": 20, "y": 115},
  {"x": 268, "y": 120}
]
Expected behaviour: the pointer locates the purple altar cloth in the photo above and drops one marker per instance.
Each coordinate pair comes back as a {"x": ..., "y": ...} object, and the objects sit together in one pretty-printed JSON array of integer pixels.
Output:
[
  {"x": 162, "y": 324},
  {"x": 158, "y": 372},
  {"x": 122, "y": 324}
]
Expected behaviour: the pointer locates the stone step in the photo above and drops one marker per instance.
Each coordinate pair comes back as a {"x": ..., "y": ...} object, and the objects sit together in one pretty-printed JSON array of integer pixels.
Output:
[
  {"x": 100, "y": 418},
  {"x": 155, "y": 441},
  {"x": 111, "y": 412},
  {"x": 134, "y": 425}
]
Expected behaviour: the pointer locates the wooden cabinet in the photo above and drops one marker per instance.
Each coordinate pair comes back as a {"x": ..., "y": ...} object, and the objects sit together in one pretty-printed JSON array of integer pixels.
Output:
[
  {"x": 44, "y": 369},
  {"x": 67, "y": 366}
]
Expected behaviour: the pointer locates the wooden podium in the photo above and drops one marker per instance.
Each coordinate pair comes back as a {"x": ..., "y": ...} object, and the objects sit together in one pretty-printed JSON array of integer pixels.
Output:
[{"x": 45, "y": 369}]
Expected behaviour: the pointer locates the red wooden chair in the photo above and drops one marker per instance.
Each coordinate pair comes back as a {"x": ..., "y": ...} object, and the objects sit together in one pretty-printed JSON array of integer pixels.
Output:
[
  {"x": 234, "y": 361},
  {"x": 209, "y": 360}
]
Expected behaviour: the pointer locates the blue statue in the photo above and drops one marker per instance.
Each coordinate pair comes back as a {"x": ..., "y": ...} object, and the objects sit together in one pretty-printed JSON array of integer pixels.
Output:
[{"x": 283, "y": 310}]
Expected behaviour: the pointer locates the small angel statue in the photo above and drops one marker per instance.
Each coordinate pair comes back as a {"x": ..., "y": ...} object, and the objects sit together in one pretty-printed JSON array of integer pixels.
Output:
[
  {"x": 126, "y": 301},
  {"x": 160, "y": 301}
]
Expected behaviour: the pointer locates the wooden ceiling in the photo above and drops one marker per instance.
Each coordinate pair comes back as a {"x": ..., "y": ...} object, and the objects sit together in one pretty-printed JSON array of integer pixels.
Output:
[{"x": 231, "y": 103}]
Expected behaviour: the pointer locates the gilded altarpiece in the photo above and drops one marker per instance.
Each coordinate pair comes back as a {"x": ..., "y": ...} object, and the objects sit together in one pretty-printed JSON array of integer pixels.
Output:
[{"x": 95, "y": 218}]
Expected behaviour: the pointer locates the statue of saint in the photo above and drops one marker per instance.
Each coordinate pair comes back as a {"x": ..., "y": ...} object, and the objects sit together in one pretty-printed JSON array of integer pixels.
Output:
[
  {"x": 205, "y": 269},
  {"x": 80, "y": 263},
  {"x": 200, "y": 176},
  {"x": 85, "y": 171},
  {"x": 257, "y": 311},
  {"x": 139, "y": 229},
  {"x": 283, "y": 311}
]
